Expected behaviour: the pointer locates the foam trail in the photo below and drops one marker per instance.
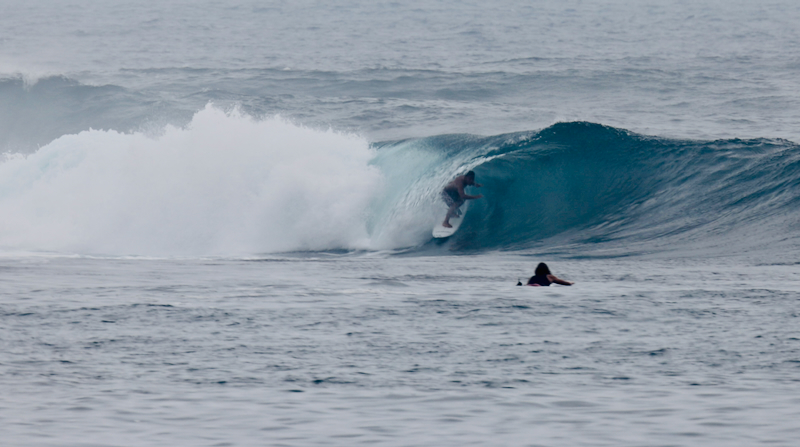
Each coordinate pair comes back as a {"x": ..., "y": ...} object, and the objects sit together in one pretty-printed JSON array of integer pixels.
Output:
[{"x": 225, "y": 184}]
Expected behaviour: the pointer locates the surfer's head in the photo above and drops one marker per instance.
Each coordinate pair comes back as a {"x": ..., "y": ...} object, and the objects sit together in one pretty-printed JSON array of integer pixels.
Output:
[
  {"x": 470, "y": 177},
  {"x": 541, "y": 269}
]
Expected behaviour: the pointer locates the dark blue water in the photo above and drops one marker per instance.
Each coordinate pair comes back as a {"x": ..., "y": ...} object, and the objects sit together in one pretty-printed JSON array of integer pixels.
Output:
[{"x": 597, "y": 187}]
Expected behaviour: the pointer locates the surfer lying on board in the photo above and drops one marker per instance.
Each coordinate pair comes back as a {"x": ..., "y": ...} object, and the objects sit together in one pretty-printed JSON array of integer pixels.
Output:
[
  {"x": 543, "y": 277},
  {"x": 454, "y": 195}
]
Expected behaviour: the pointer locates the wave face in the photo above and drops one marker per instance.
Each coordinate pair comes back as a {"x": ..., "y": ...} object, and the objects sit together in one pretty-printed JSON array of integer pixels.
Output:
[
  {"x": 583, "y": 186},
  {"x": 228, "y": 184}
]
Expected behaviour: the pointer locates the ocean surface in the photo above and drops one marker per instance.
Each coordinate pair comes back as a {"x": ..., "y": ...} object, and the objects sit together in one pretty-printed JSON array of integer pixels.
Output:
[{"x": 215, "y": 223}]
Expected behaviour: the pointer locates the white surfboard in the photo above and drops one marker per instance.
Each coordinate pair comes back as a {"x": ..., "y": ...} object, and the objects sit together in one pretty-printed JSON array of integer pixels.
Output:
[{"x": 439, "y": 231}]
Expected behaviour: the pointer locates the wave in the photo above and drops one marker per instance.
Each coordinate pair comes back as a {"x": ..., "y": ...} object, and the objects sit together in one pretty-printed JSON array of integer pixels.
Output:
[
  {"x": 587, "y": 187},
  {"x": 587, "y": 184},
  {"x": 229, "y": 184}
]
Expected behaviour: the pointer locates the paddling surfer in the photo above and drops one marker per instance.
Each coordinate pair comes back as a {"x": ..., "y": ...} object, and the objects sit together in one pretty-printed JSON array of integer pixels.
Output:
[
  {"x": 454, "y": 195},
  {"x": 543, "y": 277}
]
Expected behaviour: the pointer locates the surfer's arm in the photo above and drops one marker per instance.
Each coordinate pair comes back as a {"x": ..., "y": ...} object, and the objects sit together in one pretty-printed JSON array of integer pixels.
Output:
[
  {"x": 465, "y": 196},
  {"x": 557, "y": 280}
]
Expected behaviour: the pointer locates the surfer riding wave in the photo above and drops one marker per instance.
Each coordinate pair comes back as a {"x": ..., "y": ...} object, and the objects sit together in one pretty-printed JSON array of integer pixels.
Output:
[{"x": 455, "y": 196}]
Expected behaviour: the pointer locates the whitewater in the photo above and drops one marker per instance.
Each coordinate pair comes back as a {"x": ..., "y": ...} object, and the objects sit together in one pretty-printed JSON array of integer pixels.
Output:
[{"x": 215, "y": 223}]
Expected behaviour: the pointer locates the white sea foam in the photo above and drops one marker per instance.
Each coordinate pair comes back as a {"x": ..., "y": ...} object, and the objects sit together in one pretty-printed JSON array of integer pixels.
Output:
[{"x": 226, "y": 183}]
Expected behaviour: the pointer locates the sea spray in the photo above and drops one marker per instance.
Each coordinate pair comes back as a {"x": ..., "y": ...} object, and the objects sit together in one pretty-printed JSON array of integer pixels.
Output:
[{"x": 226, "y": 183}]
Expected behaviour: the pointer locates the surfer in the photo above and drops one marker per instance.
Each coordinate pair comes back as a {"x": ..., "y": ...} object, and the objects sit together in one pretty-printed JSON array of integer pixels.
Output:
[
  {"x": 454, "y": 195},
  {"x": 543, "y": 277}
]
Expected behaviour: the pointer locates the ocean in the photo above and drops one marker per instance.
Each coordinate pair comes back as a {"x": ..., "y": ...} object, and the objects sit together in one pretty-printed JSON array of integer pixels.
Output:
[{"x": 215, "y": 223}]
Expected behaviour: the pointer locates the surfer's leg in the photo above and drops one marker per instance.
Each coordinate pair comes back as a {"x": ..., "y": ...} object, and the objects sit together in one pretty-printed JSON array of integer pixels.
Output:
[
  {"x": 450, "y": 204},
  {"x": 447, "y": 217},
  {"x": 450, "y": 213},
  {"x": 448, "y": 199}
]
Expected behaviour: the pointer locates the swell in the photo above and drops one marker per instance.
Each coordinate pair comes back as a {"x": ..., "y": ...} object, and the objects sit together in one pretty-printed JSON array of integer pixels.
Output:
[{"x": 33, "y": 114}]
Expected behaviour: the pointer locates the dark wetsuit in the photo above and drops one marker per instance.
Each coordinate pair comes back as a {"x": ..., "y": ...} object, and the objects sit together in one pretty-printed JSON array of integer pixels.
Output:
[{"x": 539, "y": 280}]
